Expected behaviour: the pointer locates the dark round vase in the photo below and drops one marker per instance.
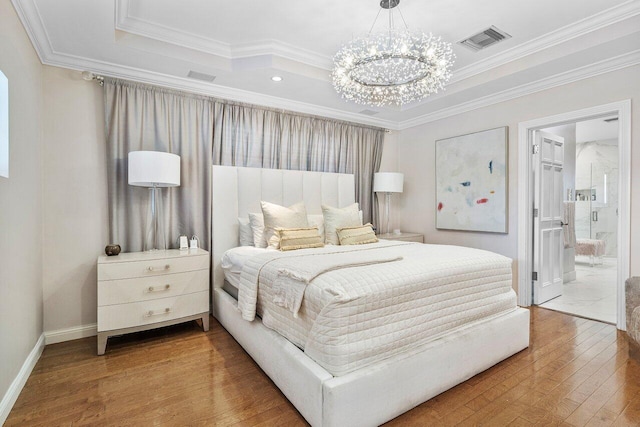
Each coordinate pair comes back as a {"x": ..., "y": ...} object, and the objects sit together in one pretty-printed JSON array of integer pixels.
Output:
[{"x": 112, "y": 250}]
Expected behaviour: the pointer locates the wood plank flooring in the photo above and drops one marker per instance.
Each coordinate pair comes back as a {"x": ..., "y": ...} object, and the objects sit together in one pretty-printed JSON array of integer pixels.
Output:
[{"x": 575, "y": 373}]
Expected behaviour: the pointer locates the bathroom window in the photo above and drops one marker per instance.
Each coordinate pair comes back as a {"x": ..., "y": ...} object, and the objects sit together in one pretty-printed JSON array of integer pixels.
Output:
[{"x": 4, "y": 126}]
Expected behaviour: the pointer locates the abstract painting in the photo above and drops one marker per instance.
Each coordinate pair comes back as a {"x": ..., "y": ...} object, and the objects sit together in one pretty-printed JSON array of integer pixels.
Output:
[{"x": 471, "y": 182}]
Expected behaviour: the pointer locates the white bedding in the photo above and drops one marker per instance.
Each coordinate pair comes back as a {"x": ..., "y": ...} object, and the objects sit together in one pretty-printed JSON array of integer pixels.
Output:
[{"x": 353, "y": 317}]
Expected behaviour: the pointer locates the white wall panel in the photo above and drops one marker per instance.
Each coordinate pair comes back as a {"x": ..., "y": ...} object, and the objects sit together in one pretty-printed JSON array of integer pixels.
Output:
[
  {"x": 312, "y": 183},
  {"x": 330, "y": 189},
  {"x": 272, "y": 186},
  {"x": 248, "y": 200},
  {"x": 293, "y": 182}
]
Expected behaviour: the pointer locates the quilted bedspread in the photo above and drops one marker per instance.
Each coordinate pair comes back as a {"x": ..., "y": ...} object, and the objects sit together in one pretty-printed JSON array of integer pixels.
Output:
[{"x": 355, "y": 316}]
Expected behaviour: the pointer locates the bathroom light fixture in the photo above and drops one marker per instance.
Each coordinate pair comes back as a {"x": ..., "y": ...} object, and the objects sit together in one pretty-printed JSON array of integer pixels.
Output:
[
  {"x": 276, "y": 78},
  {"x": 392, "y": 67}
]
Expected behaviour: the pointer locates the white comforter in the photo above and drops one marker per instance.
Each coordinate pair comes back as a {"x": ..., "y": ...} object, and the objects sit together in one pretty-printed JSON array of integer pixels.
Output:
[{"x": 351, "y": 317}]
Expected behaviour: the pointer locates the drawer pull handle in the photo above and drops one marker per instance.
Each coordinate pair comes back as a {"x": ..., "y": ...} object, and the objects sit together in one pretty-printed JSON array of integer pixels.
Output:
[
  {"x": 164, "y": 288},
  {"x": 153, "y": 313},
  {"x": 166, "y": 267}
]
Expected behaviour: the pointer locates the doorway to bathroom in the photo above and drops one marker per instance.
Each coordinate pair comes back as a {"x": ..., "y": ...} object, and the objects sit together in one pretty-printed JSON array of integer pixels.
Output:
[
  {"x": 589, "y": 219},
  {"x": 541, "y": 266}
]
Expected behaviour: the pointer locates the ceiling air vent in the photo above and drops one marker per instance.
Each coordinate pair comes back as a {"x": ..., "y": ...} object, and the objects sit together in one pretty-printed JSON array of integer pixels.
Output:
[
  {"x": 484, "y": 39},
  {"x": 369, "y": 112},
  {"x": 201, "y": 76}
]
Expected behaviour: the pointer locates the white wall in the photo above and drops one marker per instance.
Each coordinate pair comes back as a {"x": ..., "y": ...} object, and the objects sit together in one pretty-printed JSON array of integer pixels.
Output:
[
  {"x": 416, "y": 149},
  {"x": 75, "y": 200},
  {"x": 20, "y": 202}
]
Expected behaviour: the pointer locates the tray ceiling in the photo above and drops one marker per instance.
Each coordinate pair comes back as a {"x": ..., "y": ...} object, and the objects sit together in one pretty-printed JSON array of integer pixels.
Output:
[{"x": 244, "y": 43}]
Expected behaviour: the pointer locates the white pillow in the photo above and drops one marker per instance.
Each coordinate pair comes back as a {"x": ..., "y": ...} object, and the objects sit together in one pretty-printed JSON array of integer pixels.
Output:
[
  {"x": 256, "y": 221},
  {"x": 256, "y": 224},
  {"x": 276, "y": 216},
  {"x": 246, "y": 234},
  {"x": 317, "y": 220},
  {"x": 335, "y": 218}
]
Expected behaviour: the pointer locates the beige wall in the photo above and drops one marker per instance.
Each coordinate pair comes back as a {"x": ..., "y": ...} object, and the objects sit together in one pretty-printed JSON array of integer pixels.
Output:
[
  {"x": 20, "y": 202},
  {"x": 75, "y": 197},
  {"x": 416, "y": 149}
]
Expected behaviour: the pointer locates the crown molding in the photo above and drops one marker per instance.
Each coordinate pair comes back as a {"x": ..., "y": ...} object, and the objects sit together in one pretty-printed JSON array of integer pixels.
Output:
[
  {"x": 128, "y": 23},
  {"x": 30, "y": 17},
  {"x": 606, "y": 66},
  {"x": 33, "y": 24},
  {"x": 209, "y": 89},
  {"x": 131, "y": 24},
  {"x": 587, "y": 25}
]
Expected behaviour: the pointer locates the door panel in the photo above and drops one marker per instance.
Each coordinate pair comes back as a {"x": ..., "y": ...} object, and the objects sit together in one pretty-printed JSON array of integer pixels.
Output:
[{"x": 548, "y": 240}]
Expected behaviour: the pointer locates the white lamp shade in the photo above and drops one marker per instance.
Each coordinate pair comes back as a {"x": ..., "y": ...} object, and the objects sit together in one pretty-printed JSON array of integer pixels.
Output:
[
  {"x": 388, "y": 182},
  {"x": 154, "y": 169}
]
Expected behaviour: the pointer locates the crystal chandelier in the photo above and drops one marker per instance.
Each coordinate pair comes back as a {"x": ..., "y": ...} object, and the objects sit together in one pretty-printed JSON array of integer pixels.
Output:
[{"x": 395, "y": 67}]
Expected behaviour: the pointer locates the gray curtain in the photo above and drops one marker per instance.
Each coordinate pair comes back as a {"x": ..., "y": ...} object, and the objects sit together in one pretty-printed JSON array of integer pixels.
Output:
[
  {"x": 204, "y": 131},
  {"x": 252, "y": 136}
]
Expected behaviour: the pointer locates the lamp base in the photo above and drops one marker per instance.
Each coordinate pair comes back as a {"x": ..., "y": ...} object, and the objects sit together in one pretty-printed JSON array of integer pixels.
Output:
[
  {"x": 388, "y": 207},
  {"x": 154, "y": 230}
]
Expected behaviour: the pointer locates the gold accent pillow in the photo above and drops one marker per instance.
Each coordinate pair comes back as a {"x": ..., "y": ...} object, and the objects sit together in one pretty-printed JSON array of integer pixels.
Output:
[
  {"x": 299, "y": 238},
  {"x": 357, "y": 235}
]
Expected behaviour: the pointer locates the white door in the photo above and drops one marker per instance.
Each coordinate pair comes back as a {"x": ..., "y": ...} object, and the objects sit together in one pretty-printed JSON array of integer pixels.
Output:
[{"x": 548, "y": 243}]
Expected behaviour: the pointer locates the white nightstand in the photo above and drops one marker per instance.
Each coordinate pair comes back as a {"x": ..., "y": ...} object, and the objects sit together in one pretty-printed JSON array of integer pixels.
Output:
[
  {"x": 146, "y": 290},
  {"x": 405, "y": 236}
]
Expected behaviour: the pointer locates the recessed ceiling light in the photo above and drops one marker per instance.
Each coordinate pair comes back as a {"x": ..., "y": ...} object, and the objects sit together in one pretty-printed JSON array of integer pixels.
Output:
[{"x": 276, "y": 78}]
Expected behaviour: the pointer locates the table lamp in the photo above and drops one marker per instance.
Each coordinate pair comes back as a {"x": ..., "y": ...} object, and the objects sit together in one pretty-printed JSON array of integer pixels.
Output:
[
  {"x": 388, "y": 182},
  {"x": 155, "y": 170}
]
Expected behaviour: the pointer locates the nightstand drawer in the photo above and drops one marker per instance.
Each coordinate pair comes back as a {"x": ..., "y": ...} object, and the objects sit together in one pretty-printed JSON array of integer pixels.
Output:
[
  {"x": 151, "y": 267},
  {"x": 153, "y": 311},
  {"x": 147, "y": 288}
]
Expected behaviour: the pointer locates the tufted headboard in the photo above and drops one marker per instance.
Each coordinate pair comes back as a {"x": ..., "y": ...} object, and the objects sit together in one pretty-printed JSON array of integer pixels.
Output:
[{"x": 238, "y": 191}]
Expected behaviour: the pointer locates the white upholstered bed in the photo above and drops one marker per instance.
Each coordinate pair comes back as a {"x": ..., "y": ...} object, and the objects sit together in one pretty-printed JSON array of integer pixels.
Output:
[{"x": 359, "y": 394}]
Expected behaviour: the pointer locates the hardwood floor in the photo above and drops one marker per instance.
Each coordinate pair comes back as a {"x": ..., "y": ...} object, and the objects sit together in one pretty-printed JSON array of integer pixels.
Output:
[{"x": 576, "y": 372}]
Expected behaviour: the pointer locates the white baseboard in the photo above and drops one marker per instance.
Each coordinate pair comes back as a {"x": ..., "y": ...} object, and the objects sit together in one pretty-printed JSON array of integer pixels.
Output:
[
  {"x": 68, "y": 334},
  {"x": 15, "y": 388}
]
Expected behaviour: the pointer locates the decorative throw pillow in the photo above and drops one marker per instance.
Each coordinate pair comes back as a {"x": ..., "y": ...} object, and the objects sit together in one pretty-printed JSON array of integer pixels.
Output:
[
  {"x": 357, "y": 235},
  {"x": 256, "y": 221},
  {"x": 276, "y": 216},
  {"x": 335, "y": 218},
  {"x": 299, "y": 238},
  {"x": 246, "y": 234}
]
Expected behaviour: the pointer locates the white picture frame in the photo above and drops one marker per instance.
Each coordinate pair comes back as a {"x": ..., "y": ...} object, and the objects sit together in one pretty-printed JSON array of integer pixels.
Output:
[{"x": 472, "y": 182}]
